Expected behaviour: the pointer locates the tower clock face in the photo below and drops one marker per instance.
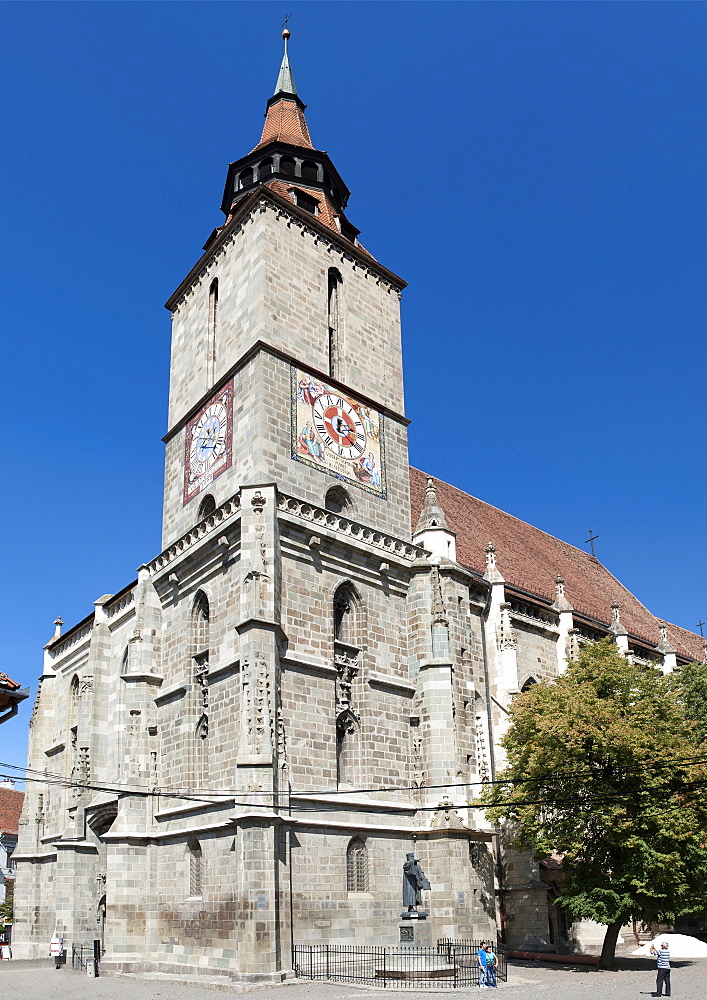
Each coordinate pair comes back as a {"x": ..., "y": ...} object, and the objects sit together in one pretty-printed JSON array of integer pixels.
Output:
[
  {"x": 208, "y": 443},
  {"x": 339, "y": 426},
  {"x": 337, "y": 433}
]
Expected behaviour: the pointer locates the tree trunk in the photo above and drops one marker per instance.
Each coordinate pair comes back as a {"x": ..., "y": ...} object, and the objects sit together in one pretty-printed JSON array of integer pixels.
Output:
[{"x": 609, "y": 946}]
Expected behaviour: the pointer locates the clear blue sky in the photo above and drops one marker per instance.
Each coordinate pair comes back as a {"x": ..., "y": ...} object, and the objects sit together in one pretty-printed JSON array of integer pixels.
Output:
[{"x": 535, "y": 171}]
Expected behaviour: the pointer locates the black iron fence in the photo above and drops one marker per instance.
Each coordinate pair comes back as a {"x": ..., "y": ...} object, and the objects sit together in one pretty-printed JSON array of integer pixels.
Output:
[
  {"x": 80, "y": 955},
  {"x": 448, "y": 964},
  {"x": 83, "y": 954}
]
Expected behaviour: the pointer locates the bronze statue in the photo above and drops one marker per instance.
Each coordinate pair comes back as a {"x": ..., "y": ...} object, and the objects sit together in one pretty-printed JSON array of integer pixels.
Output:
[{"x": 414, "y": 881}]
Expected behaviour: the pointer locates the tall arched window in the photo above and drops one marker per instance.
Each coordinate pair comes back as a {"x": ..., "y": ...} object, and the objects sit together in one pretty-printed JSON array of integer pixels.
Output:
[
  {"x": 73, "y": 708},
  {"x": 195, "y": 866},
  {"x": 212, "y": 331},
  {"x": 357, "y": 866},
  {"x": 347, "y": 615},
  {"x": 200, "y": 618},
  {"x": 336, "y": 345}
]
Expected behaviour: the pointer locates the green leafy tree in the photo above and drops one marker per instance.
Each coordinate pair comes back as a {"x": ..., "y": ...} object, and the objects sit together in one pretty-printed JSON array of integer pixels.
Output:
[
  {"x": 604, "y": 771},
  {"x": 690, "y": 687},
  {"x": 6, "y": 907}
]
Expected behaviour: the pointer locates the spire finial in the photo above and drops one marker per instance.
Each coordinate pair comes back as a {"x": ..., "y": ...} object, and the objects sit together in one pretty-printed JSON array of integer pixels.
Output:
[{"x": 285, "y": 81}]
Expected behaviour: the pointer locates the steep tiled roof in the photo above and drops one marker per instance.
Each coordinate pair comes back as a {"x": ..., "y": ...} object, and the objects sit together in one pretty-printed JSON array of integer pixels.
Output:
[
  {"x": 530, "y": 559},
  {"x": 10, "y": 809},
  {"x": 285, "y": 122}
]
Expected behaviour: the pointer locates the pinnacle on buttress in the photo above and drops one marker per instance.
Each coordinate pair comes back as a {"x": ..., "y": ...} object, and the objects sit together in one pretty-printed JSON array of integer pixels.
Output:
[
  {"x": 664, "y": 646},
  {"x": 616, "y": 624},
  {"x": 433, "y": 532},
  {"x": 561, "y": 603},
  {"x": 492, "y": 573},
  {"x": 58, "y": 622},
  {"x": 431, "y": 515}
]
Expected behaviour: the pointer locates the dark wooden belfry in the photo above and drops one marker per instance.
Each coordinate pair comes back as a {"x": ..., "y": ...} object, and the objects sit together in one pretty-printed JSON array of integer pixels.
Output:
[{"x": 285, "y": 154}]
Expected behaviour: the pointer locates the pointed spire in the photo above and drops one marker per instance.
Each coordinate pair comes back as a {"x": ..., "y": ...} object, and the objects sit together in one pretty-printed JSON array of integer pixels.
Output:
[
  {"x": 284, "y": 118},
  {"x": 285, "y": 80},
  {"x": 431, "y": 515},
  {"x": 561, "y": 602}
]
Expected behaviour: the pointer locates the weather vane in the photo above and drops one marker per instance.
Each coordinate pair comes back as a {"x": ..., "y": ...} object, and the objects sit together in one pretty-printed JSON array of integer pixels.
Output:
[{"x": 285, "y": 23}]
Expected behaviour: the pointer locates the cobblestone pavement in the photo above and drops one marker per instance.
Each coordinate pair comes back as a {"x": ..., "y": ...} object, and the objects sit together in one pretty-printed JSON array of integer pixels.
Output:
[{"x": 634, "y": 979}]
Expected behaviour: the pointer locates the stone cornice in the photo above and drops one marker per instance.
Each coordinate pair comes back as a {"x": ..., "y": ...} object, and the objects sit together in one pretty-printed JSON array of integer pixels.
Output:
[
  {"x": 355, "y": 532},
  {"x": 276, "y": 352},
  {"x": 262, "y": 198}
]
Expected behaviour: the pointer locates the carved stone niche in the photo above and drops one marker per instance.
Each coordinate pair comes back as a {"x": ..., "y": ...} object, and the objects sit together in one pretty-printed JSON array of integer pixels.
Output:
[{"x": 346, "y": 661}]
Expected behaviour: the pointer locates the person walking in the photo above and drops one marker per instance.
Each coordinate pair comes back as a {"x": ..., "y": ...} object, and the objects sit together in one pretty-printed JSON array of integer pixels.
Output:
[
  {"x": 662, "y": 954},
  {"x": 490, "y": 966},
  {"x": 481, "y": 961},
  {"x": 56, "y": 951}
]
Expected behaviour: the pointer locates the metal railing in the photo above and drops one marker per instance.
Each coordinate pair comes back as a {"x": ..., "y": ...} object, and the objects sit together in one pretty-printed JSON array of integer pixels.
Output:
[
  {"x": 80, "y": 955},
  {"x": 448, "y": 964}
]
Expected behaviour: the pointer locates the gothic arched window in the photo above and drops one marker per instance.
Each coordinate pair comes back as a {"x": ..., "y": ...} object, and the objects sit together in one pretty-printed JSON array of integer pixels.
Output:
[
  {"x": 73, "y": 701},
  {"x": 337, "y": 500},
  {"x": 528, "y": 684},
  {"x": 207, "y": 506},
  {"x": 212, "y": 330},
  {"x": 195, "y": 865},
  {"x": 200, "y": 619},
  {"x": 346, "y": 615},
  {"x": 357, "y": 866},
  {"x": 336, "y": 342}
]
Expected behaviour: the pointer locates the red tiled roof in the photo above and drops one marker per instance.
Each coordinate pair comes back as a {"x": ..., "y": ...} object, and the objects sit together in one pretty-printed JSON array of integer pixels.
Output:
[
  {"x": 285, "y": 121},
  {"x": 530, "y": 559},
  {"x": 6, "y": 682},
  {"x": 10, "y": 809}
]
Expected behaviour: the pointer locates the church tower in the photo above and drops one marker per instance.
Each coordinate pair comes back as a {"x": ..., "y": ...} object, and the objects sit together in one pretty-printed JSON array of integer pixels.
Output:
[
  {"x": 221, "y": 721},
  {"x": 286, "y": 354}
]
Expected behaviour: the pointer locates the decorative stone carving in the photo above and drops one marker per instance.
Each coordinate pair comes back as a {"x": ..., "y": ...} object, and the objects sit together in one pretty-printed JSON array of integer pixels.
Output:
[
  {"x": 446, "y": 816},
  {"x": 506, "y": 635}
]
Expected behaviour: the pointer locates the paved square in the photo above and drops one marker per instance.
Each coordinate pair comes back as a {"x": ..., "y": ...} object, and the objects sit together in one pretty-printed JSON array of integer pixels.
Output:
[{"x": 635, "y": 979}]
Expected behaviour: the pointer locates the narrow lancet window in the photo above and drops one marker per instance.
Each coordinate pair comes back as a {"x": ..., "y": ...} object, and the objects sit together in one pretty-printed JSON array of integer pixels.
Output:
[
  {"x": 212, "y": 331},
  {"x": 336, "y": 351},
  {"x": 357, "y": 866}
]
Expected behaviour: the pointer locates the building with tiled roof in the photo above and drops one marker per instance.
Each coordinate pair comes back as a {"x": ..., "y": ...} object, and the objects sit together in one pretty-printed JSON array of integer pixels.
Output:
[
  {"x": 531, "y": 560},
  {"x": 10, "y": 811},
  {"x": 11, "y": 694},
  {"x": 312, "y": 677}
]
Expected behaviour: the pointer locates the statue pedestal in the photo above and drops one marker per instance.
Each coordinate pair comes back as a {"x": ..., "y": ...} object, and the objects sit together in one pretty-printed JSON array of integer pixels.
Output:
[{"x": 414, "y": 931}]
